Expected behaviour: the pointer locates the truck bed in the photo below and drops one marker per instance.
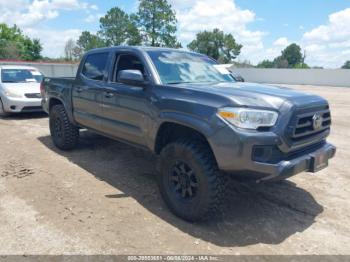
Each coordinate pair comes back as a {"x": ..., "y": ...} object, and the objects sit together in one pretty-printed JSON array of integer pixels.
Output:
[{"x": 60, "y": 86}]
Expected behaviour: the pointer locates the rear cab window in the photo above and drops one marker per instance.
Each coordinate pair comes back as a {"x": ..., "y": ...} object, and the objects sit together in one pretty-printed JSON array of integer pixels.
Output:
[{"x": 95, "y": 66}]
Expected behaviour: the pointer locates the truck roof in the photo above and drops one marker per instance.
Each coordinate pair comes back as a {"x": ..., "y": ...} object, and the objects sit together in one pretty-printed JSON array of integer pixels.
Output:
[{"x": 138, "y": 48}]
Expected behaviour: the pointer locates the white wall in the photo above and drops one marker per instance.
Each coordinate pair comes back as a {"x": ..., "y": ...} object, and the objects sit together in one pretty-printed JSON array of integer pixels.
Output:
[
  {"x": 49, "y": 69},
  {"x": 323, "y": 77}
]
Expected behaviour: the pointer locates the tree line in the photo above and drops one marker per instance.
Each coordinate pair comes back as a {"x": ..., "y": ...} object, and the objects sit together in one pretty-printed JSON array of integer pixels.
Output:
[
  {"x": 291, "y": 57},
  {"x": 153, "y": 24},
  {"x": 15, "y": 45}
]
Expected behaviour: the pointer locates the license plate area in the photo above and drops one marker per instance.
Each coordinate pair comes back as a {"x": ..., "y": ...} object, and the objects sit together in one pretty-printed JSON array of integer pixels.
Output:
[{"x": 319, "y": 161}]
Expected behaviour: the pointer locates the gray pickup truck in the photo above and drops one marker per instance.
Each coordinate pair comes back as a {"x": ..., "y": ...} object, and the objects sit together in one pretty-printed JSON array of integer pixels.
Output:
[{"x": 200, "y": 122}]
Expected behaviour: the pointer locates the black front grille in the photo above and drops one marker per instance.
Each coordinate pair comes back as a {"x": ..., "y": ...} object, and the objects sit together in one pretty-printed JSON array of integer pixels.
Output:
[
  {"x": 33, "y": 95},
  {"x": 273, "y": 155},
  {"x": 304, "y": 127}
]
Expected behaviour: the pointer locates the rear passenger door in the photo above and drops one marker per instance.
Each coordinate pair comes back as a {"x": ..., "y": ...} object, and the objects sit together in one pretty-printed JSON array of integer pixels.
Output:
[
  {"x": 126, "y": 107},
  {"x": 88, "y": 91}
]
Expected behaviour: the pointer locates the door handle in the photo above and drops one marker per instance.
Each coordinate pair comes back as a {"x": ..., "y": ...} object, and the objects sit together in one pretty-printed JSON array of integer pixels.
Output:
[
  {"x": 109, "y": 95},
  {"x": 79, "y": 89}
]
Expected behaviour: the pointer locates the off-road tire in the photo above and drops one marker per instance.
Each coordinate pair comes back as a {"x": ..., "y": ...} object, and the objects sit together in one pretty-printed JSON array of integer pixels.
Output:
[
  {"x": 64, "y": 134},
  {"x": 208, "y": 200},
  {"x": 2, "y": 111}
]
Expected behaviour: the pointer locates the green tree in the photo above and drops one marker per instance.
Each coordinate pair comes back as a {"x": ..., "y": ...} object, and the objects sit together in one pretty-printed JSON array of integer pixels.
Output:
[
  {"x": 10, "y": 37},
  {"x": 12, "y": 34},
  {"x": 301, "y": 66},
  {"x": 9, "y": 50},
  {"x": 216, "y": 44},
  {"x": 32, "y": 49},
  {"x": 86, "y": 42},
  {"x": 266, "y": 64},
  {"x": 281, "y": 62},
  {"x": 230, "y": 48},
  {"x": 116, "y": 28},
  {"x": 207, "y": 43},
  {"x": 346, "y": 65},
  {"x": 293, "y": 55},
  {"x": 15, "y": 45},
  {"x": 157, "y": 22}
]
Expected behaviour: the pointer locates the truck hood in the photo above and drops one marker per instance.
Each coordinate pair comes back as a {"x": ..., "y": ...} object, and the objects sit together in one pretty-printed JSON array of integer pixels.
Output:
[
  {"x": 257, "y": 95},
  {"x": 22, "y": 88}
]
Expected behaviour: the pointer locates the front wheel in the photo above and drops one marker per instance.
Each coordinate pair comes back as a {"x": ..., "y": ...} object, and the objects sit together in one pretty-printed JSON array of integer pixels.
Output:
[
  {"x": 64, "y": 134},
  {"x": 189, "y": 180}
]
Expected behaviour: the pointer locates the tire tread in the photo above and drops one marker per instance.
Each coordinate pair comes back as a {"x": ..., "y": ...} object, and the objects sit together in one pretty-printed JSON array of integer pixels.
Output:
[
  {"x": 216, "y": 179},
  {"x": 71, "y": 132}
]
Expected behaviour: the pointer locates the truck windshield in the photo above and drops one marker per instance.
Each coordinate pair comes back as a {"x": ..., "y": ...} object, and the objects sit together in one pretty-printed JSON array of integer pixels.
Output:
[
  {"x": 20, "y": 76},
  {"x": 177, "y": 67}
]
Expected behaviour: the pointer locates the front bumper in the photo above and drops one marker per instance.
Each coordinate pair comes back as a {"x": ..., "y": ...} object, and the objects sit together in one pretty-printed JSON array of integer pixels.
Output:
[
  {"x": 21, "y": 105},
  {"x": 288, "y": 168},
  {"x": 233, "y": 152}
]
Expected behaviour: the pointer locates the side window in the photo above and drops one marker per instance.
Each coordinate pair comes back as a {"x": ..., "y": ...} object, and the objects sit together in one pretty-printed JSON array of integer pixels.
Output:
[
  {"x": 128, "y": 62},
  {"x": 95, "y": 66}
]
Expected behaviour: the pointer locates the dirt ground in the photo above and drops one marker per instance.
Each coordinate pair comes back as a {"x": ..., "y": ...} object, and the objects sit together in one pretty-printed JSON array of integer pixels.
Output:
[{"x": 102, "y": 198}]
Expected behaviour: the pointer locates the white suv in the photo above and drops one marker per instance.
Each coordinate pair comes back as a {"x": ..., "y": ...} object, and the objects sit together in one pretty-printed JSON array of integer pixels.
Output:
[{"x": 19, "y": 89}]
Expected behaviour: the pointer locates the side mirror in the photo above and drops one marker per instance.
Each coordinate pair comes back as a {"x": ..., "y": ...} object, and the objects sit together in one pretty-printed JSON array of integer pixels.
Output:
[{"x": 131, "y": 77}]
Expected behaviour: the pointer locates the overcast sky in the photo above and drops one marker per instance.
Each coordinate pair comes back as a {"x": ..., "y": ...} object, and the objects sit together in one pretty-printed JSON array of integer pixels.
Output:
[{"x": 264, "y": 27}]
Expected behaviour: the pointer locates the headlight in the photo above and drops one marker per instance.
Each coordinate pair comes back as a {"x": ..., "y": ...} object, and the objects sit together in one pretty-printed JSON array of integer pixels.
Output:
[
  {"x": 248, "y": 118},
  {"x": 13, "y": 94}
]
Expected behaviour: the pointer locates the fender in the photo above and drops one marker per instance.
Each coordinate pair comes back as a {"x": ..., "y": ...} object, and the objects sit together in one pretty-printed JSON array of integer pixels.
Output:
[
  {"x": 190, "y": 121},
  {"x": 65, "y": 102}
]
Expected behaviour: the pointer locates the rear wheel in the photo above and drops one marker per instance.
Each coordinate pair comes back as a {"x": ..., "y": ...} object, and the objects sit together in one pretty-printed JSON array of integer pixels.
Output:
[
  {"x": 64, "y": 134},
  {"x": 189, "y": 180},
  {"x": 2, "y": 110}
]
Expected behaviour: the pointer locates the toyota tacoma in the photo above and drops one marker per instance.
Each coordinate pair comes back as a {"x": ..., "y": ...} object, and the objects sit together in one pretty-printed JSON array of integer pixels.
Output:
[{"x": 200, "y": 122}]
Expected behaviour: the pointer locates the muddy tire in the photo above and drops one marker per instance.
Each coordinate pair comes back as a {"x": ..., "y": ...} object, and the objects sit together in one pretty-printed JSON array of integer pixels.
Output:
[
  {"x": 64, "y": 134},
  {"x": 190, "y": 182}
]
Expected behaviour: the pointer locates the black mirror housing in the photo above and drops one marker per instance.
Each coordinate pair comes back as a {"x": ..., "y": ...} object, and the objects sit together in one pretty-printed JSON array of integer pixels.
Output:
[{"x": 131, "y": 77}]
